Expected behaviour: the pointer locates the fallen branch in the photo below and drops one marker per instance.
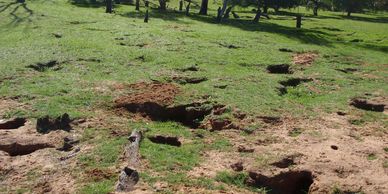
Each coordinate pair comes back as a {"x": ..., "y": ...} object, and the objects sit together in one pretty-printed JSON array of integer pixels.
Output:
[{"x": 129, "y": 176}]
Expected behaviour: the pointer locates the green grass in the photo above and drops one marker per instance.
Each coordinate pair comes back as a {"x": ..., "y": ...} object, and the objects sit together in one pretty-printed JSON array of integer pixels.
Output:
[
  {"x": 372, "y": 157},
  {"x": 237, "y": 179},
  {"x": 97, "y": 50}
]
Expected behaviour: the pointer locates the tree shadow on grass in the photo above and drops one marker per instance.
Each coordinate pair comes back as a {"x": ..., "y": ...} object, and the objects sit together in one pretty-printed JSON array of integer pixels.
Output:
[
  {"x": 380, "y": 19},
  {"x": 17, "y": 17},
  {"x": 380, "y": 48},
  {"x": 308, "y": 36},
  {"x": 88, "y": 3}
]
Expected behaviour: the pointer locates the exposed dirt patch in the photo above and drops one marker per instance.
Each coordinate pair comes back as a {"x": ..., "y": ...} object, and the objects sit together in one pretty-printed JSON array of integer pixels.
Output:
[
  {"x": 173, "y": 141},
  {"x": 47, "y": 124},
  {"x": 28, "y": 159},
  {"x": 155, "y": 101},
  {"x": 12, "y": 123},
  {"x": 279, "y": 69},
  {"x": 245, "y": 149},
  {"x": 220, "y": 124},
  {"x": 270, "y": 120},
  {"x": 376, "y": 105},
  {"x": 19, "y": 148},
  {"x": 306, "y": 58},
  {"x": 44, "y": 66},
  {"x": 160, "y": 93},
  {"x": 100, "y": 174},
  {"x": 292, "y": 182}
]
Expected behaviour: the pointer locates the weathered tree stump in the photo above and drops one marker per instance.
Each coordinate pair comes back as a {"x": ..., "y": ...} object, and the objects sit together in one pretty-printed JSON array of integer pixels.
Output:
[
  {"x": 129, "y": 176},
  {"x": 298, "y": 21}
]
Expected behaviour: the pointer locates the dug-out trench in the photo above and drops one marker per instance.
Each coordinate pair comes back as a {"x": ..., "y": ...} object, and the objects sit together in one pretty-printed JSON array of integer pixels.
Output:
[
  {"x": 190, "y": 115},
  {"x": 291, "y": 182}
]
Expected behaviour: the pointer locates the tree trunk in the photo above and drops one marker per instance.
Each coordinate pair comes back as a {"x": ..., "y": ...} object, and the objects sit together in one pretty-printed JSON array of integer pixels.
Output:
[
  {"x": 203, "y": 10},
  {"x": 298, "y": 21},
  {"x": 277, "y": 7},
  {"x": 222, "y": 11},
  {"x": 129, "y": 176},
  {"x": 227, "y": 12},
  {"x": 235, "y": 15},
  {"x": 146, "y": 17},
  {"x": 21, "y": 1},
  {"x": 180, "y": 5},
  {"x": 315, "y": 10},
  {"x": 265, "y": 7},
  {"x": 162, "y": 5},
  {"x": 258, "y": 14},
  {"x": 117, "y": 2},
  {"x": 188, "y": 8},
  {"x": 219, "y": 14},
  {"x": 146, "y": 3},
  {"x": 108, "y": 6},
  {"x": 316, "y": 7},
  {"x": 137, "y": 5},
  {"x": 349, "y": 10}
]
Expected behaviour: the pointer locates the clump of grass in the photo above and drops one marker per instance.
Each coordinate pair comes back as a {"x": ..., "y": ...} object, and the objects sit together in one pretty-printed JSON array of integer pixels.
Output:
[
  {"x": 372, "y": 156},
  {"x": 221, "y": 144},
  {"x": 385, "y": 164},
  {"x": 237, "y": 179},
  {"x": 295, "y": 132}
]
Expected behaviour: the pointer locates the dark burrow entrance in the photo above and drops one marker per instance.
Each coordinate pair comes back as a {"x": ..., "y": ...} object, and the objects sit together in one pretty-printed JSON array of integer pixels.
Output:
[
  {"x": 190, "y": 115},
  {"x": 18, "y": 149},
  {"x": 173, "y": 141},
  {"x": 13, "y": 123},
  {"x": 188, "y": 80},
  {"x": 284, "y": 163},
  {"x": 279, "y": 69},
  {"x": 367, "y": 105},
  {"x": 47, "y": 124},
  {"x": 292, "y": 182},
  {"x": 41, "y": 67}
]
